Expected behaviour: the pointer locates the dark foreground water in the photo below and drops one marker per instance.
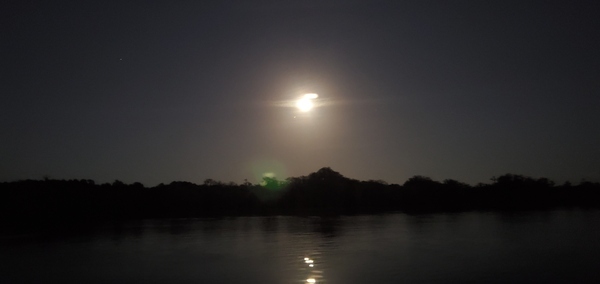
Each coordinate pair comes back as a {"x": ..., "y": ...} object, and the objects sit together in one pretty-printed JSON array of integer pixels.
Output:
[{"x": 541, "y": 247}]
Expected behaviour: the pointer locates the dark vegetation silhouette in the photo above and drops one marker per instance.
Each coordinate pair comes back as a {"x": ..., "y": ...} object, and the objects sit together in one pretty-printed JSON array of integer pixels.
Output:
[{"x": 320, "y": 193}]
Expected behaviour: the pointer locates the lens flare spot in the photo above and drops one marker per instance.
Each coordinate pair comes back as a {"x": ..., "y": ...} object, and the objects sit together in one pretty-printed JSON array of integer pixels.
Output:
[{"x": 311, "y": 280}]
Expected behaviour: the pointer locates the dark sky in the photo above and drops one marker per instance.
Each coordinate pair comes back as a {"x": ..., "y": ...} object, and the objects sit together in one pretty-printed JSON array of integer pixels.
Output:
[{"x": 156, "y": 91}]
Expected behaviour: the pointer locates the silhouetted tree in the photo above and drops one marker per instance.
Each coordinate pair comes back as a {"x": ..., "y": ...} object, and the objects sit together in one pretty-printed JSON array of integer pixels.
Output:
[{"x": 322, "y": 192}]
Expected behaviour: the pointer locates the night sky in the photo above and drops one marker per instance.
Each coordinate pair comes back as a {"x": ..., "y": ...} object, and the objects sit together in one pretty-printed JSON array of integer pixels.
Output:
[{"x": 157, "y": 91}]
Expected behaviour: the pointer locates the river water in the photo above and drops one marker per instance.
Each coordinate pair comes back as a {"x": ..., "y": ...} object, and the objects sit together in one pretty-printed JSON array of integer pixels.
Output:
[{"x": 561, "y": 246}]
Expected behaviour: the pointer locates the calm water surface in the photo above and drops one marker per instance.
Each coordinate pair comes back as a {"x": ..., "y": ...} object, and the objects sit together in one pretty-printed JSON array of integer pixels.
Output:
[{"x": 540, "y": 247}]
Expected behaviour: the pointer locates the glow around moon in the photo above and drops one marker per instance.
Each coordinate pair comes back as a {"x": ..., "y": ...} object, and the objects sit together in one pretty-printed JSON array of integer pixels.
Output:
[{"x": 305, "y": 103}]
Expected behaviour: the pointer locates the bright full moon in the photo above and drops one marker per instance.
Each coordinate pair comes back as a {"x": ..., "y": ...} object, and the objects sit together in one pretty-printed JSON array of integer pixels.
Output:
[{"x": 305, "y": 104}]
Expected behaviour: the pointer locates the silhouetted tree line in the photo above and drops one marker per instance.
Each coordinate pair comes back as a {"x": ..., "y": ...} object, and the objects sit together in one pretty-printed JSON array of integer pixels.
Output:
[{"x": 322, "y": 192}]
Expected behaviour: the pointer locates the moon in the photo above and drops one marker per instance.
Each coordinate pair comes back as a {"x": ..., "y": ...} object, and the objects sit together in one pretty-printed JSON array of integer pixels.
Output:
[{"x": 304, "y": 104}]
